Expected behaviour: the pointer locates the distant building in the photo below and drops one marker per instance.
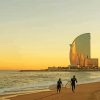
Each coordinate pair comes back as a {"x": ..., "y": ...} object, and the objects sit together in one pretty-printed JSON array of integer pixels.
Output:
[
  {"x": 92, "y": 62},
  {"x": 80, "y": 53},
  {"x": 59, "y": 68}
]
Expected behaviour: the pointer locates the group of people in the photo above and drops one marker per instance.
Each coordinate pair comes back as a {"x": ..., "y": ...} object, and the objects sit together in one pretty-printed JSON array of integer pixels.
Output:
[{"x": 73, "y": 81}]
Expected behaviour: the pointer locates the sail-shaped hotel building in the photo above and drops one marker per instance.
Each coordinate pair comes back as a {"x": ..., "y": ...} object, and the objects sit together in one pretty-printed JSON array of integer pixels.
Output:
[{"x": 80, "y": 52}]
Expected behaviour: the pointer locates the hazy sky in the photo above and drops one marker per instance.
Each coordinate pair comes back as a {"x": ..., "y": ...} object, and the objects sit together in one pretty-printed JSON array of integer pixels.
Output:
[{"x": 35, "y": 34}]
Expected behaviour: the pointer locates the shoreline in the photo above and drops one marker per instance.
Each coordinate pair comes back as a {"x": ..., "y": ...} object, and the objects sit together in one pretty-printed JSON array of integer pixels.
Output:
[
  {"x": 66, "y": 70},
  {"x": 50, "y": 88},
  {"x": 88, "y": 90},
  {"x": 13, "y": 94}
]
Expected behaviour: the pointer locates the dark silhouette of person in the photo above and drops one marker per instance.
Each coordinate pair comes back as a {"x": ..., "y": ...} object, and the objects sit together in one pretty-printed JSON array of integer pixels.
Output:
[
  {"x": 73, "y": 81},
  {"x": 59, "y": 83}
]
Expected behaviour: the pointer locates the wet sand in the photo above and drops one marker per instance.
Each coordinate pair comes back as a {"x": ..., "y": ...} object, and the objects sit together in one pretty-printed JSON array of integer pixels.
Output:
[{"x": 90, "y": 91}]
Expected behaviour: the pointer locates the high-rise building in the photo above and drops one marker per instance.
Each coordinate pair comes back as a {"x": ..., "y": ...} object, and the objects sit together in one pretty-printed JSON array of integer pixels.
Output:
[{"x": 80, "y": 52}]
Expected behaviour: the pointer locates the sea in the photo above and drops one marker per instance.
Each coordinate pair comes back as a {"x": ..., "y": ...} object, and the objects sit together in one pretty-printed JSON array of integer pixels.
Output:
[{"x": 17, "y": 81}]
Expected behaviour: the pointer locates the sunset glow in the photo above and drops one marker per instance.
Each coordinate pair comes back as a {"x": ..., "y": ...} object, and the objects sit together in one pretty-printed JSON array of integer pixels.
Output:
[{"x": 35, "y": 34}]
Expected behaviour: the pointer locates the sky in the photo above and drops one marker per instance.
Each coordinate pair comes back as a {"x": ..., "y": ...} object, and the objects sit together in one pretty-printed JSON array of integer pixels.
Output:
[{"x": 35, "y": 34}]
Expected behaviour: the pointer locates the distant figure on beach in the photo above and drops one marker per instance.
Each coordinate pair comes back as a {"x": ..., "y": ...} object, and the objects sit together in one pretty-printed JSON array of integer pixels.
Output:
[
  {"x": 59, "y": 83},
  {"x": 73, "y": 81}
]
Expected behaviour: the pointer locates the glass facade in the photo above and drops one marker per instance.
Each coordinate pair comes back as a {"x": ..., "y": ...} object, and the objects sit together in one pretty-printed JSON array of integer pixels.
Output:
[{"x": 80, "y": 50}]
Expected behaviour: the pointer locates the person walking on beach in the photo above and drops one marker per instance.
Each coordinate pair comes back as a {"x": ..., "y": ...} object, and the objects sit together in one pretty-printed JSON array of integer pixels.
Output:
[
  {"x": 73, "y": 81},
  {"x": 59, "y": 83}
]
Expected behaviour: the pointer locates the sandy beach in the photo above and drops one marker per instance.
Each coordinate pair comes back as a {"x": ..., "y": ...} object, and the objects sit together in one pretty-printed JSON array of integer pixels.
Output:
[{"x": 90, "y": 91}]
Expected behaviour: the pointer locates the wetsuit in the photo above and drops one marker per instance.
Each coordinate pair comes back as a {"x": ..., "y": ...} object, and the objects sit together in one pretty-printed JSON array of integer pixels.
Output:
[
  {"x": 73, "y": 80},
  {"x": 59, "y": 82}
]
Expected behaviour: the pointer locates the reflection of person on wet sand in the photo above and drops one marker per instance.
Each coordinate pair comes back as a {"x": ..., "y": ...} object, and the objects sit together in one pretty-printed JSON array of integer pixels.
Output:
[
  {"x": 59, "y": 83},
  {"x": 73, "y": 81}
]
